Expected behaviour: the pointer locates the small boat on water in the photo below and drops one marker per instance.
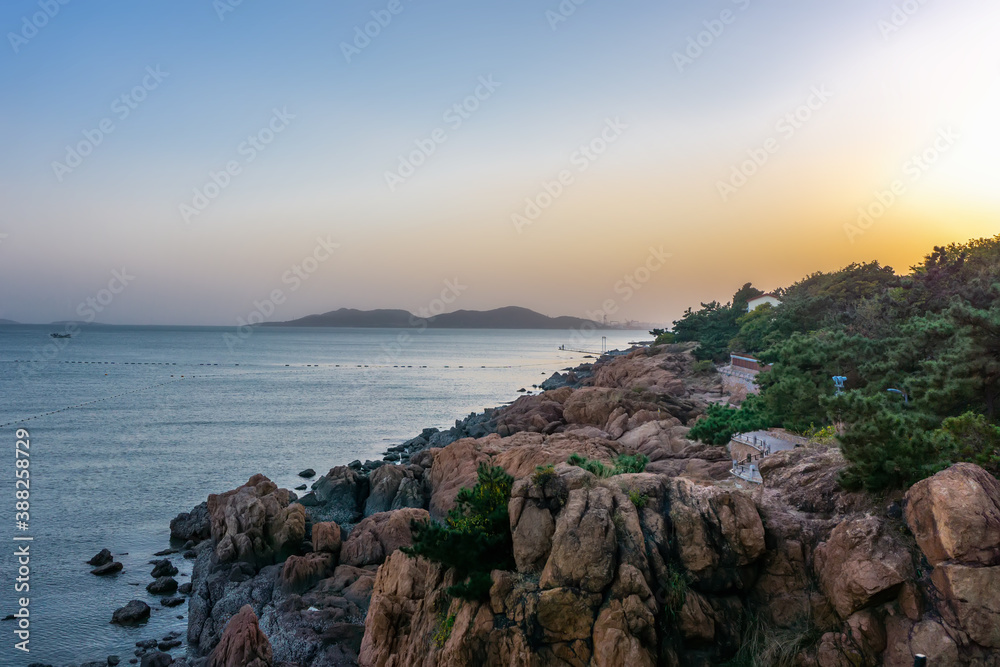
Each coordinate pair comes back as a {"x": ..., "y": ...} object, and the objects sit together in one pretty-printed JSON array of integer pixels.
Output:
[{"x": 61, "y": 335}]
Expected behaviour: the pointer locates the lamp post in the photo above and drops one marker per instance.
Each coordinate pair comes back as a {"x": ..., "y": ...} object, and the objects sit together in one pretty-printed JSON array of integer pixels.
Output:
[{"x": 838, "y": 382}]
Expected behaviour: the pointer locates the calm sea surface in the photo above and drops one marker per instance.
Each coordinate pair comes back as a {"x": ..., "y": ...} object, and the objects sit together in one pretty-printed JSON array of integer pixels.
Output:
[{"x": 131, "y": 425}]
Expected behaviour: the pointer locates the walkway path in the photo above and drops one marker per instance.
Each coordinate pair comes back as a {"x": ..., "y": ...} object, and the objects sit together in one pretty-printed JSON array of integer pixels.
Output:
[{"x": 764, "y": 442}]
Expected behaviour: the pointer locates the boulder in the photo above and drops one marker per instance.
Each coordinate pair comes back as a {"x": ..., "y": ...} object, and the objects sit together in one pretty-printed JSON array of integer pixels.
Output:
[
  {"x": 955, "y": 515},
  {"x": 584, "y": 548},
  {"x": 591, "y": 405},
  {"x": 133, "y": 613},
  {"x": 300, "y": 573},
  {"x": 163, "y": 568},
  {"x": 384, "y": 484},
  {"x": 972, "y": 596},
  {"x": 195, "y": 525},
  {"x": 307, "y": 473},
  {"x": 109, "y": 568},
  {"x": 102, "y": 558},
  {"x": 156, "y": 659},
  {"x": 242, "y": 644},
  {"x": 861, "y": 565},
  {"x": 343, "y": 491},
  {"x": 256, "y": 523},
  {"x": 326, "y": 536},
  {"x": 376, "y": 537},
  {"x": 162, "y": 585},
  {"x": 719, "y": 534}
]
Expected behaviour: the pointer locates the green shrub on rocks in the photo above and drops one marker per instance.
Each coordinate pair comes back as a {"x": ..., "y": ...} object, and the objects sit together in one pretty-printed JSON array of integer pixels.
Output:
[
  {"x": 475, "y": 538},
  {"x": 623, "y": 464}
]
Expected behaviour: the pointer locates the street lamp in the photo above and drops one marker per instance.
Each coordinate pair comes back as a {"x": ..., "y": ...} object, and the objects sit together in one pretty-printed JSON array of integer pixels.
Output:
[{"x": 838, "y": 382}]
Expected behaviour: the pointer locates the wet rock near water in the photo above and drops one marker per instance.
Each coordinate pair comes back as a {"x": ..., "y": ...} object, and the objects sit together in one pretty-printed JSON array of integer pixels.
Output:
[
  {"x": 113, "y": 567},
  {"x": 133, "y": 613},
  {"x": 102, "y": 558}
]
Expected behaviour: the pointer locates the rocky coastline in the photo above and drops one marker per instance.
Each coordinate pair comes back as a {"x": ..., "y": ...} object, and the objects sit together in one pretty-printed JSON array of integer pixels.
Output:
[{"x": 681, "y": 564}]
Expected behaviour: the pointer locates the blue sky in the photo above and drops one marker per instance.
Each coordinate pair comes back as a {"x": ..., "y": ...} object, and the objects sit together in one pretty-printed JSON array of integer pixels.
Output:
[{"x": 222, "y": 75}]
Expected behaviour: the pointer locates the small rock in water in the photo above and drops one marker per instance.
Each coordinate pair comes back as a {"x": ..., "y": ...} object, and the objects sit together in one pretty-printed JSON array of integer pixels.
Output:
[
  {"x": 163, "y": 568},
  {"x": 185, "y": 588},
  {"x": 156, "y": 660},
  {"x": 391, "y": 456},
  {"x": 103, "y": 558},
  {"x": 301, "y": 487},
  {"x": 133, "y": 613},
  {"x": 355, "y": 465},
  {"x": 372, "y": 465},
  {"x": 111, "y": 568},
  {"x": 165, "y": 552},
  {"x": 162, "y": 585},
  {"x": 113, "y": 660},
  {"x": 307, "y": 473},
  {"x": 190, "y": 554},
  {"x": 167, "y": 645},
  {"x": 172, "y": 601},
  {"x": 146, "y": 643}
]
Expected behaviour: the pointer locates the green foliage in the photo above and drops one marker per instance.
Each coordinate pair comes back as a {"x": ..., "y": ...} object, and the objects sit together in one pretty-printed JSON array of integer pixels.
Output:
[
  {"x": 445, "y": 625},
  {"x": 638, "y": 499},
  {"x": 543, "y": 474},
  {"x": 973, "y": 438},
  {"x": 674, "y": 592},
  {"x": 592, "y": 466},
  {"x": 715, "y": 325},
  {"x": 703, "y": 367},
  {"x": 722, "y": 422},
  {"x": 826, "y": 435},
  {"x": 933, "y": 334},
  {"x": 665, "y": 338},
  {"x": 623, "y": 464},
  {"x": 475, "y": 537},
  {"x": 628, "y": 463}
]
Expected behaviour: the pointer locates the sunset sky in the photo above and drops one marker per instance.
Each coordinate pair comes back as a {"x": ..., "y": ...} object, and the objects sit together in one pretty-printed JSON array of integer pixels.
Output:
[{"x": 204, "y": 147}]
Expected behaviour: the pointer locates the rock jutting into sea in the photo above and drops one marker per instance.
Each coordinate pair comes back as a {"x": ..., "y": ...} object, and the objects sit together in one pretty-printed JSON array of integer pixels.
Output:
[{"x": 681, "y": 564}]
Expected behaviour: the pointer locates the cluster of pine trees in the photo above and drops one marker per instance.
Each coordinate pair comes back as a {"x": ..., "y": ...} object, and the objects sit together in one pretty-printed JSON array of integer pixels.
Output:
[{"x": 920, "y": 354}]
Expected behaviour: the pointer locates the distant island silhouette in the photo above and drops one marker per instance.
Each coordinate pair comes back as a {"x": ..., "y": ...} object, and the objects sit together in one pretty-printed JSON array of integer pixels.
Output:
[{"x": 511, "y": 317}]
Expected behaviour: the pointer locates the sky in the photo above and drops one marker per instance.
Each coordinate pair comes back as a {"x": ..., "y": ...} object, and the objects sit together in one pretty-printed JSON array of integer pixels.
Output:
[{"x": 195, "y": 161}]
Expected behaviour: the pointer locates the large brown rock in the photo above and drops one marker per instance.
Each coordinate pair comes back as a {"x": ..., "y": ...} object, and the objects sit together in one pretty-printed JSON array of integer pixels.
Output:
[
  {"x": 537, "y": 414},
  {"x": 592, "y": 405},
  {"x": 242, "y": 644},
  {"x": 955, "y": 515},
  {"x": 907, "y": 639},
  {"x": 584, "y": 548},
  {"x": 972, "y": 595},
  {"x": 326, "y": 536},
  {"x": 624, "y": 635},
  {"x": 861, "y": 565},
  {"x": 376, "y": 537},
  {"x": 255, "y": 523},
  {"x": 719, "y": 534},
  {"x": 301, "y": 573}
]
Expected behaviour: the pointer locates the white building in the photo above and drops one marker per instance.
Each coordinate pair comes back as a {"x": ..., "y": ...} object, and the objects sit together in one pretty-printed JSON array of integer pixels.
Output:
[{"x": 754, "y": 304}]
